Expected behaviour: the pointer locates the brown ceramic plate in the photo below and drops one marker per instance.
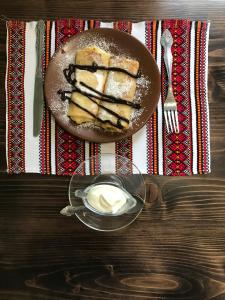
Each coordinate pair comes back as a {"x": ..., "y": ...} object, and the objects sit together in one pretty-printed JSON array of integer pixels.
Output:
[{"x": 118, "y": 43}]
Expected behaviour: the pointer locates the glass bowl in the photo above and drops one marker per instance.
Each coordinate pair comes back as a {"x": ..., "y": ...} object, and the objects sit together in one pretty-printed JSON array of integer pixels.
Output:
[{"x": 108, "y": 168}]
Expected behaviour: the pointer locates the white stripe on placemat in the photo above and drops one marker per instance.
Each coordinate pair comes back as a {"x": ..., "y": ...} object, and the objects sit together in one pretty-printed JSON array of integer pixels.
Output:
[
  {"x": 107, "y": 148},
  {"x": 138, "y": 31},
  {"x": 139, "y": 139},
  {"x": 207, "y": 103},
  {"x": 6, "y": 97},
  {"x": 192, "y": 94},
  {"x": 31, "y": 142},
  {"x": 159, "y": 107},
  {"x": 139, "y": 144},
  {"x": 85, "y": 25},
  {"x": 106, "y": 24},
  {"x": 53, "y": 168},
  {"x": 87, "y": 165}
]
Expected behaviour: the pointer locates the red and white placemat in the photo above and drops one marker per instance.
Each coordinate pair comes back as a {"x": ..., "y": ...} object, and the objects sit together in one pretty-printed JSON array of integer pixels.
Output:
[{"x": 152, "y": 149}]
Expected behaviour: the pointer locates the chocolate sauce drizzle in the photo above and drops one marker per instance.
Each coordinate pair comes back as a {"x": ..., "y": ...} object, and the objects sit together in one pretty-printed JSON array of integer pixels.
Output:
[
  {"x": 64, "y": 97},
  {"x": 108, "y": 98},
  {"x": 69, "y": 74},
  {"x": 110, "y": 111},
  {"x": 118, "y": 125},
  {"x": 94, "y": 67}
]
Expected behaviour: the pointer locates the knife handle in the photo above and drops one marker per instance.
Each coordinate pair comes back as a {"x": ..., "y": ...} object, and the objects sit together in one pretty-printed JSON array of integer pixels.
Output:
[{"x": 40, "y": 32}]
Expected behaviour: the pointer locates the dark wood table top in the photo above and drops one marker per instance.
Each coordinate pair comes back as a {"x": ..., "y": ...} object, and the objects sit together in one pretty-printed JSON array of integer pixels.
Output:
[{"x": 176, "y": 248}]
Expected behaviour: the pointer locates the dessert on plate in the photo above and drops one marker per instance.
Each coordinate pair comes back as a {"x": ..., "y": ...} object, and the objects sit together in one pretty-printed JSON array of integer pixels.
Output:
[
  {"x": 95, "y": 80},
  {"x": 103, "y": 89},
  {"x": 119, "y": 85}
]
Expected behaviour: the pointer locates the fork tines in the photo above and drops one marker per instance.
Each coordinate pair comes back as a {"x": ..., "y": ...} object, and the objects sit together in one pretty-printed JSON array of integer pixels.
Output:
[{"x": 171, "y": 118}]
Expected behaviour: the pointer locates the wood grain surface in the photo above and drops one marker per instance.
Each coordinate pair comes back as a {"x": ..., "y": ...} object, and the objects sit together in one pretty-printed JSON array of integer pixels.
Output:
[{"x": 176, "y": 248}]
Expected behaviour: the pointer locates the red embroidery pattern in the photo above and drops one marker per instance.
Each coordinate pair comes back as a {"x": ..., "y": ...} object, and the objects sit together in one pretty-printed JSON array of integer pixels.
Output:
[
  {"x": 15, "y": 93},
  {"x": 179, "y": 146},
  {"x": 69, "y": 149}
]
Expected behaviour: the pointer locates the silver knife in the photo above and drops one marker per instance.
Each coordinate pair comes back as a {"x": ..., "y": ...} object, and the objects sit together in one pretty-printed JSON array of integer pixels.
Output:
[{"x": 38, "y": 88}]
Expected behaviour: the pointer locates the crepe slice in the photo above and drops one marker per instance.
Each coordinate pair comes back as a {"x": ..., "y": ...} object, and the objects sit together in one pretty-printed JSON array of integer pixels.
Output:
[
  {"x": 119, "y": 85},
  {"x": 88, "y": 56}
]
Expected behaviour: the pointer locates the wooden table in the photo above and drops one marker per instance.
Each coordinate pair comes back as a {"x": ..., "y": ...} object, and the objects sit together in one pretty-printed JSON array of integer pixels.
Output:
[{"x": 175, "y": 250}]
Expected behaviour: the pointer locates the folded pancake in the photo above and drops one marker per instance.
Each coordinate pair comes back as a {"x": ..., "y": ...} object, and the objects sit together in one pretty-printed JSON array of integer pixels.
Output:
[
  {"x": 88, "y": 56},
  {"x": 119, "y": 85}
]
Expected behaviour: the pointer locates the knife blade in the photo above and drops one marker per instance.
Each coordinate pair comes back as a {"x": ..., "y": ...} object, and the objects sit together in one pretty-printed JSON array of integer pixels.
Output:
[{"x": 38, "y": 88}]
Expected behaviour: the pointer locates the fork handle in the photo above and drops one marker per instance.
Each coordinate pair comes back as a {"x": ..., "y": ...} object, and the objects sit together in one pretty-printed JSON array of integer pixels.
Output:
[{"x": 168, "y": 59}]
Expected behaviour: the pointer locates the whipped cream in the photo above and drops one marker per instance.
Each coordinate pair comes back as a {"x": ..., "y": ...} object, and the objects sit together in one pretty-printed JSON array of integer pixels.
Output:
[{"x": 106, "y": 198}]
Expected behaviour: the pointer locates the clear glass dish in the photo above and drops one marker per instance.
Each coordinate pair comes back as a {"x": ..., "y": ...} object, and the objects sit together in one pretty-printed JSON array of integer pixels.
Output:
[{"x": 113, "y": 169}]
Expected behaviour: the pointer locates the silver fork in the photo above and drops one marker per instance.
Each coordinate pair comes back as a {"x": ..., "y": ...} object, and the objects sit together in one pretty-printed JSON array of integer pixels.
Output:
[{"x": 170, "y": 104}]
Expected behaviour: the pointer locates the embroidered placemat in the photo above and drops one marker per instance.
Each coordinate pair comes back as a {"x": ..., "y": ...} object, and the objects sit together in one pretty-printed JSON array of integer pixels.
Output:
[{"x": 152, "y": 149}]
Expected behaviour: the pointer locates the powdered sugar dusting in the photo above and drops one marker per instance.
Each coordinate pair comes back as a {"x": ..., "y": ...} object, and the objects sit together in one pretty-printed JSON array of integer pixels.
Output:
[
  {"x": 95, "y": 39},
  {"x": 143, "y": 82},
  {"x": 60, "y": 107},
  {"x": 88, "y": 125},
  {"x": 90, "y": 39},
  {"x": 142, "y": 88},
  {"x": 68, "y": 58},
  {"x": 116, "y": 88},
  {"x": 136, "y": 114}
]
